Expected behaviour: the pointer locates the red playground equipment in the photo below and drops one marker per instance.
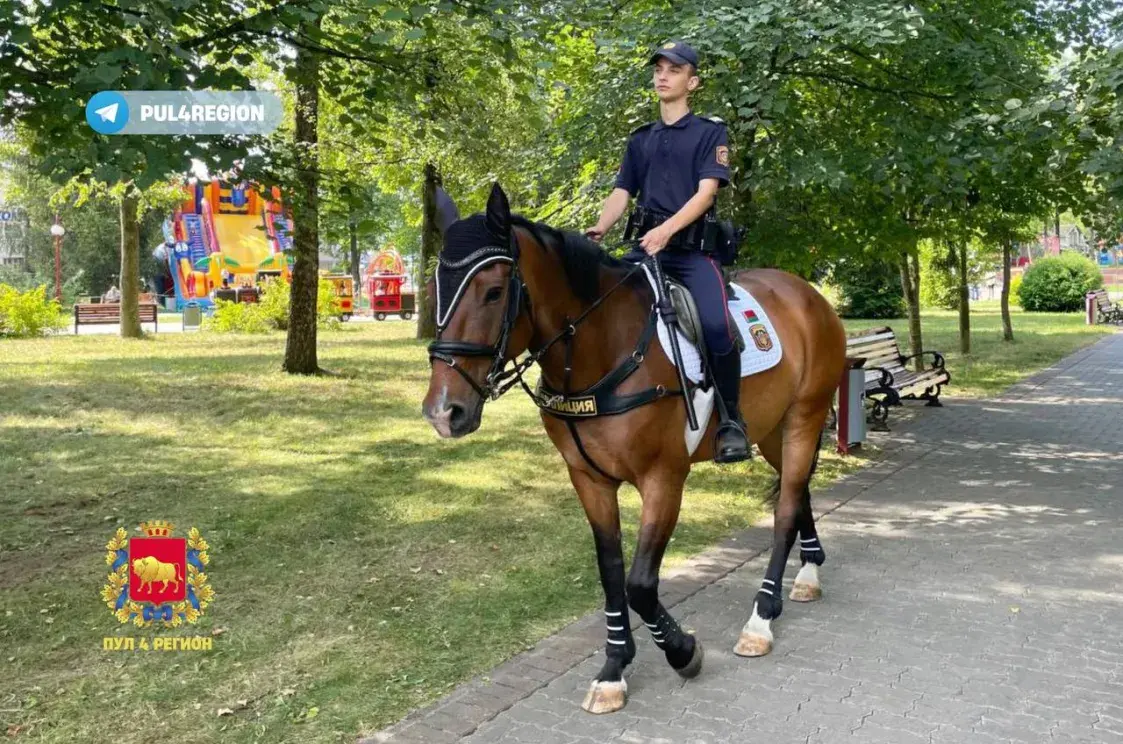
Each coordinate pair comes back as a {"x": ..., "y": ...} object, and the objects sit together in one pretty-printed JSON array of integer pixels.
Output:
[{"x": 384, "y": 277}]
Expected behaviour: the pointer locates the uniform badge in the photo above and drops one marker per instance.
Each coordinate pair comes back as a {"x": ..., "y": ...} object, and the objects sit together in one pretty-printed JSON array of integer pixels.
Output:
[
  {"x": 669, "y": 45},
  {"x": 723, "y": 155},
  {"x": 157, "y": 578},
  {"x": 760, "y": 337}
]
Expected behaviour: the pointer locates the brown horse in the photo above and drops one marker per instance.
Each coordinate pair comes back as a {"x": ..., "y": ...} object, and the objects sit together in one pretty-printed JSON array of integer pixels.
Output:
[{"x": 506, "y": 285}]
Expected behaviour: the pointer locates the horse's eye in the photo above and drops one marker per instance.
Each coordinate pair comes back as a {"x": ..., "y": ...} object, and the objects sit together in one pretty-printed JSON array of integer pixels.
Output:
[{"x": 493, "y": 295}]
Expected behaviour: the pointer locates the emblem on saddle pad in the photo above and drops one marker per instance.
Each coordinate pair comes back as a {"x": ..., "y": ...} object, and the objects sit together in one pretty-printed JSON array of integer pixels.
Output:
[{"x": 757, "y": 330}]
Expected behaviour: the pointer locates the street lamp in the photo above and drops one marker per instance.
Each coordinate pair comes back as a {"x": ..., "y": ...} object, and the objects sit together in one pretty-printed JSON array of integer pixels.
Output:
[{"x": 57, "y": 231}]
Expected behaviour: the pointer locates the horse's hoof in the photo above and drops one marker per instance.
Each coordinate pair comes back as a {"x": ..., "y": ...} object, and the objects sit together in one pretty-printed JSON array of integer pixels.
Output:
[
  {"x": 750, "y": 644},
  {"x": 806, "y": 593},
  {"x": 606, "y": 697},
  {"x": 691, "y": 670}
]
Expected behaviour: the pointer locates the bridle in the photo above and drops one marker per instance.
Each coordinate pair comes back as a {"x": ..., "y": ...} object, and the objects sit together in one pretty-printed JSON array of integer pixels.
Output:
[
  {"x": 499, "y": 379},
  {"x": 496, "y": 380}
]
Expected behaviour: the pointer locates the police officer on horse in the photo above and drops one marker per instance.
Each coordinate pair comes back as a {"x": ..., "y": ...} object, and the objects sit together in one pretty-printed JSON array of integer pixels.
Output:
[{"x": 675, "y": 166}]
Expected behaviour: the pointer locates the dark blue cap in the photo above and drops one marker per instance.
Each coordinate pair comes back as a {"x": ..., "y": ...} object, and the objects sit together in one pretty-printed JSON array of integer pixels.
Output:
[{"x": 678, "y": 52}]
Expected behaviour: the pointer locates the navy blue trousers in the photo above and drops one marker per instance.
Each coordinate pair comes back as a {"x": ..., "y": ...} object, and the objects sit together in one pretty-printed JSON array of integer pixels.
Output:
[{"x": 702, "y": 276}]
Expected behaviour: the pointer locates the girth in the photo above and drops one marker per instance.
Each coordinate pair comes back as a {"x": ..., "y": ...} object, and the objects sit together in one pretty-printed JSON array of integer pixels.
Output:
[{"x": 601, "y": 398}]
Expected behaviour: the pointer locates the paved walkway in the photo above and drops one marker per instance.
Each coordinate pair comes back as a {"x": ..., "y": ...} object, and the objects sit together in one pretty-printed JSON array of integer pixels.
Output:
[{"x": 973, "y": 592}]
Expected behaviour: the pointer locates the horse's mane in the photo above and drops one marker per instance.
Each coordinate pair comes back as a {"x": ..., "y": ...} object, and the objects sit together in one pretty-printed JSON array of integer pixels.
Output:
[{"x": 581, "y": 258}]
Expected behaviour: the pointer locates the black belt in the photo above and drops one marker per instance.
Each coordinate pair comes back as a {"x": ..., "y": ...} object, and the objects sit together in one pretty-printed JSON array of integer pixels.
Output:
[{"x": 642, "y": 220}]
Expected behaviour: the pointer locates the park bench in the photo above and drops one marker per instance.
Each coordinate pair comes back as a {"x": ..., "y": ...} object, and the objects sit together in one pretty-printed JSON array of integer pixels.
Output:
[
  {"x": 888, "y": 381},
  {"x": 110, "y": 312},
  {"x": 1106, "y": 310}
]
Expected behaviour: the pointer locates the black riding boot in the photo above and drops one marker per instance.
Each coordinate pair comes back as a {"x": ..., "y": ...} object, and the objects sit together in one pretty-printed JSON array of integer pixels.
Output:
[{"x": 732, "y": 443}]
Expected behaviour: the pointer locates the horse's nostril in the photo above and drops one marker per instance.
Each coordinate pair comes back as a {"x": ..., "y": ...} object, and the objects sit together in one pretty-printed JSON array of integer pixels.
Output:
[{"x": 458, "y": 415}]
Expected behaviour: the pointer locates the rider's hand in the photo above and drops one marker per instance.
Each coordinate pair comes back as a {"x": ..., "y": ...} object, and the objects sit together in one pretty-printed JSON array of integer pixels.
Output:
[
  {"x": 656, "y": 240},
  {"x": 596, "y": 232}
]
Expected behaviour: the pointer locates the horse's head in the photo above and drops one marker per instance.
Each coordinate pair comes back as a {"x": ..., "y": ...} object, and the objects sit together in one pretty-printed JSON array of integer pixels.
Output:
[{"x": 479, "y": 295}]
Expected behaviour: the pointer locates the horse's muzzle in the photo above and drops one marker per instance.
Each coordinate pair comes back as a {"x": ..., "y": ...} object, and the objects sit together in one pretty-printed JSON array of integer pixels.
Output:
[{"x": 452, "y": 419}]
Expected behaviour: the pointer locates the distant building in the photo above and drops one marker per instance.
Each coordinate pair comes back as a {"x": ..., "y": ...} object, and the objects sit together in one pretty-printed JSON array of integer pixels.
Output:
[{"x": 13, "y": 235}]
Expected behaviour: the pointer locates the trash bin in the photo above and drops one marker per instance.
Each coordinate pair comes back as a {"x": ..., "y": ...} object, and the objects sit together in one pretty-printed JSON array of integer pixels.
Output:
[
  {"x": 852, "y": 407},
  {"x": 192, "y": 317}
]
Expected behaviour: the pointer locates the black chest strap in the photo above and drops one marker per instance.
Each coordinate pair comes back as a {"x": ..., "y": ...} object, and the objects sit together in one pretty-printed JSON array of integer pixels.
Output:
[{"x": 601, "y": 398}]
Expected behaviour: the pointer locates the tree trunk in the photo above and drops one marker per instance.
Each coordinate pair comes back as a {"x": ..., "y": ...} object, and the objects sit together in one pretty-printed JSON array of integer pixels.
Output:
[
  {"x": 130, "y": 265},
  {"x": 353, "y": 230},
  {"x": 910, "y": 285},
  {"x": 430, "y": 247},
  {"x": 1007, "y": 326},
  {"x": 300, "y": 347},
  {"x": 964, "y": 299}
]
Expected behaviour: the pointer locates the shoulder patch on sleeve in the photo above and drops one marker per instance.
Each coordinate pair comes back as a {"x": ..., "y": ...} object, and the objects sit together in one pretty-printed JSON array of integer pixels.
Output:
[
  {"x": 641, "y": 127},
  {"x": 715, "y": 119}
]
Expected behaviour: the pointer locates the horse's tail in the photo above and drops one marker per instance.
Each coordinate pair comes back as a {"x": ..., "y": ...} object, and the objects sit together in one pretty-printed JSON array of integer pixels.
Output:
[{"x": 773, "y": 493}]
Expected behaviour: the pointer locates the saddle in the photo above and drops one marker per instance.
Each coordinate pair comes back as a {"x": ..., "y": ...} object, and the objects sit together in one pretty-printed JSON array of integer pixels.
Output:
[{"x": 690, "y": 322}]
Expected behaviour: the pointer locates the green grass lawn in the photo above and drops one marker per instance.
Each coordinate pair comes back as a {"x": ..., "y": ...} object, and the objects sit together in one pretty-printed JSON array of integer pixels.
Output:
[
  {"x": 993, "y": 365},
  {"x": 362, "y": 566}
]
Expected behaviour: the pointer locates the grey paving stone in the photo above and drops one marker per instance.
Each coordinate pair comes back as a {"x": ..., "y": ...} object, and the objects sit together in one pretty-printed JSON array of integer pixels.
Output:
[{"x": 971, "y": 594}]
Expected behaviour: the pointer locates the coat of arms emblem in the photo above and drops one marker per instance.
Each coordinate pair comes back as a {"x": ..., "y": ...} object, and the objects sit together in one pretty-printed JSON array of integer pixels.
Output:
[{"x": 158, "y": 577}]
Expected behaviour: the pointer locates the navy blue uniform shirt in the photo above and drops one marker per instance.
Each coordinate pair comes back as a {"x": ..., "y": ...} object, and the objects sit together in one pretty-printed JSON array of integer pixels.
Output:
[{"x": 665, "y": 162}]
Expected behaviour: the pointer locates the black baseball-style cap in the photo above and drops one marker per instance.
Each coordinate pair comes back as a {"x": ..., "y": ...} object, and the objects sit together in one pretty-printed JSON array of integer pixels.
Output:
[{"x": 678, "y": 52}]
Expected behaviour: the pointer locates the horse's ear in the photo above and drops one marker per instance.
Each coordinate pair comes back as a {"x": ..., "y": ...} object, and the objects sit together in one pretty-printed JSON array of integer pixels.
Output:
[
  {"x": 447, "y": 213},
  {"x": 498, "y": 215}
]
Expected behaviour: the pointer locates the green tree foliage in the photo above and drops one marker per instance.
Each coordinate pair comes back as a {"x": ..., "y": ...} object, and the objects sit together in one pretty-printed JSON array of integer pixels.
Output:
[
  {"x": 91, "y": 259},
  {"x": 1059, "y": 283},
  {"x": 938, "y": 285},
  {"x": 55, "y": 56},
  {"x": 870, "y": 289}
]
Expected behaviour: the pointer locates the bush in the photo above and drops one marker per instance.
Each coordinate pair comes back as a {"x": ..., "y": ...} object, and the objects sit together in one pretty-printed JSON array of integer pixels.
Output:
[
  {"x": 272, "y": 312},
  {"x": 237, "y": 317},
  {"x": 327, "y": 306},
  {"x": 869, "y": 290},
  {"x": 29, "y": 314},
  {"x": 1015, "y": 286},
  {"x": 275, "y": 303},
  {"x": 1058, "y": 283}
]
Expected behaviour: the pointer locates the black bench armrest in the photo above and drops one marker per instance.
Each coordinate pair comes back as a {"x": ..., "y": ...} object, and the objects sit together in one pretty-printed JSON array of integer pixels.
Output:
[
  {"x": 937, "y": 358},
  {"x": 886, "y": 376}
]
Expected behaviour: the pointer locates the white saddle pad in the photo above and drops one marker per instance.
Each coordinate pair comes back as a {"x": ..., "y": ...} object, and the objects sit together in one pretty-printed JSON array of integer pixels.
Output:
[{"x": 763, "y": 350}]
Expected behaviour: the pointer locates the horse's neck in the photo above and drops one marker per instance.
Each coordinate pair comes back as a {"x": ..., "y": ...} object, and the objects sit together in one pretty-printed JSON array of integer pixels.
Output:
[{"x": 602, "y": 340}]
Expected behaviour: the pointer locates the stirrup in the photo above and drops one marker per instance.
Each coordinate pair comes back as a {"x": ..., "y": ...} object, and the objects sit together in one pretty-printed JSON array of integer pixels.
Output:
[{"x": 736, "y": 447}]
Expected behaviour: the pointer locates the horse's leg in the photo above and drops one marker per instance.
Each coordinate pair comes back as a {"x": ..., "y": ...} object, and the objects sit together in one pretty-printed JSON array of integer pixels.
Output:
[
  {"x": 662, "y": 496},
  {"x": 609, "y": 691},
  {"x": 806, "y": 587},
  {"x": 800, "y": 445}
]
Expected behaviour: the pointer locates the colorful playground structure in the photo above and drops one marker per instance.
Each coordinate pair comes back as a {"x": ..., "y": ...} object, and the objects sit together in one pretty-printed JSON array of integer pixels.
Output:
[
  {"x": 385, "y": 275},
  {"x": 224, "y": 231}
]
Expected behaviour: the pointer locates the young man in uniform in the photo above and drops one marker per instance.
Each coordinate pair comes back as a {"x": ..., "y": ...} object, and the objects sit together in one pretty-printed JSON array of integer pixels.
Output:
[{"x": 676, "y": 166}]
